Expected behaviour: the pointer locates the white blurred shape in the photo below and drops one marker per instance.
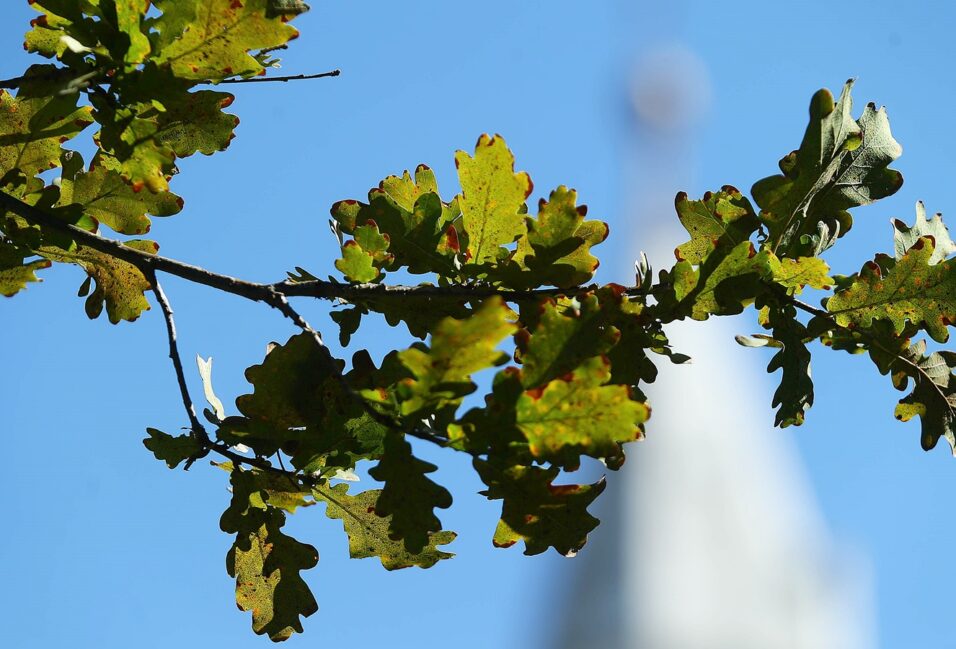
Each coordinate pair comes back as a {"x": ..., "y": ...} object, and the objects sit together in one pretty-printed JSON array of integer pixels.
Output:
[
  {"x": 670, "y": 88},
  {"x": 712, "y": 539}
]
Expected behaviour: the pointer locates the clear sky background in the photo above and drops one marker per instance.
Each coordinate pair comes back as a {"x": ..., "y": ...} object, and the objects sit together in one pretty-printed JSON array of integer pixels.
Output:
[{"x": 107, "y": 548}]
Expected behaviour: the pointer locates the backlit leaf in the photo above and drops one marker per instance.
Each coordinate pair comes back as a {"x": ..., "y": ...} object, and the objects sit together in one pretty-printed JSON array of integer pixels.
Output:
[
  {"x": 369, "y": 533},
  {"x": 120, "y": 286},
  {"x": 442, "y": 371},
  {"x": 172, "y": 450},
  {"x": 537, "y": 511},
  {"x": 408, "y": 497},
  {"x": 724, "y": 218},
  {"x": 557, "y": 247},
  {"x": 266, "y": 562},
  {"x": 579, "y": 415},
  {"x": 491, "y": 199}
]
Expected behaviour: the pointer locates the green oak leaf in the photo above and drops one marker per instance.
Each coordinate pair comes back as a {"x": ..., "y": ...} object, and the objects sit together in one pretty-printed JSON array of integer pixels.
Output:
[
  {"x": 492, "y": 198},
  {"x": 416, "y": 221},
  {"x": 130, "y": 16},
  {"x": 794, "y": 395},
  {"x": 724, "y": 283},
  {"x": 933, "y": 397},
  {"x": 172, "y": 450},
  {"x": 408, "y": 497},
  {"x": 364, "y": 255},
  {"x": 35, "y": 123},
  {"x": 299, "y": 405},
  {"x": 914, "y": 290},
  {"x": 60, "y": 18},
  {"x": 841, "y": 164},
  {"x": 105, "y": 196},
  {"x": 266, "y": 562},
  {"x": 369, "y": 534},
  {"x": 119, "y": 284},
  {"x": 14, "y": 273},
  {"x": 212, "y": 39},
  {"x": 795, "y": 274},
  {"x": 442, "y": 372},
  {"x": 724, "y": 218},
  {"x": 905, "y": 236},
  {"x": 557, "y": 247},
  {"x": 566, "y": 333},
  {"x": 130, "y": 145},
  {"x": 537, "y": 511},
  {"x": 194, "y": 122},
  {"x": 579, "y": 415}
]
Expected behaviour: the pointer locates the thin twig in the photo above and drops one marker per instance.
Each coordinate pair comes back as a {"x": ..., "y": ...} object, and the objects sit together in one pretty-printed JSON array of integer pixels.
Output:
[
  {"x": 198, "y": 430},
  {"x": 294, "y": 77}
]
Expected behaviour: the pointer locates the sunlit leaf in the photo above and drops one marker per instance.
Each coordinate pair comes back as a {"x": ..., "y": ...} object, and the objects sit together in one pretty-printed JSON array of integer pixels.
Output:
[{"x": 915, "y": 291}]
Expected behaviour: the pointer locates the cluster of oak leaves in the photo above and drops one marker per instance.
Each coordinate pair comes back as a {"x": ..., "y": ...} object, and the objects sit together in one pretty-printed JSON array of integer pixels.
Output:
[{"x": 571, "y": 388}]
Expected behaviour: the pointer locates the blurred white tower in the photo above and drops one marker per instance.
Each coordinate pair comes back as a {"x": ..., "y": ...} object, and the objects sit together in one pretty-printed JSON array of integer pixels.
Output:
[{"x": 712, "y": 538}]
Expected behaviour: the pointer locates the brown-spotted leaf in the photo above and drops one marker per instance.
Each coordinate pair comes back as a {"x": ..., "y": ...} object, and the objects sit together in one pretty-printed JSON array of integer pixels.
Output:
[
  {"x": 566, "y": 333},
  {"x": 212, "y": 39},
  {"x": 369, "y": 534},
  {"x": 442, "y": 371},
  {"x": 120, "y": 286},
  {"x": 914, "y": 290},
  {"x": 103, "y": 194},
  {"x": 266, "y": 562}
]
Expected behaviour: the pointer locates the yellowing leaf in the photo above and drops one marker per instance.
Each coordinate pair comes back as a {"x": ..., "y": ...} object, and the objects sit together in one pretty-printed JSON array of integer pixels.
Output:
[
  {"x": 266, "y": 562},
  {"x": 119, "y": 285},
  {"x": 794, "y": 274},
  {"x": 492, "y": 198},
  {"x": 14, "y": 273},
  {"x": 442, "y": 372},
  {"x": 35, "y": 123},
  {"x": 211, "y": 39},
  {"x": 580, "y": 415},
  {"x": 104, "y": 195}
]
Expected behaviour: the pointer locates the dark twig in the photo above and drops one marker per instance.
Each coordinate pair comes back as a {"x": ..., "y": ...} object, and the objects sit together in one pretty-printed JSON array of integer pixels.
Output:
[
  {"x": 198, "y": 430},
  {"x": 294, "y": 77},
  {"x": 268, "y": 292}
]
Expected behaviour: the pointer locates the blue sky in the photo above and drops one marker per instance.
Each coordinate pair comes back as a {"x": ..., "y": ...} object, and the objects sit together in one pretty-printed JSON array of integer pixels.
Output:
[{"x": 106, "y": 547}]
